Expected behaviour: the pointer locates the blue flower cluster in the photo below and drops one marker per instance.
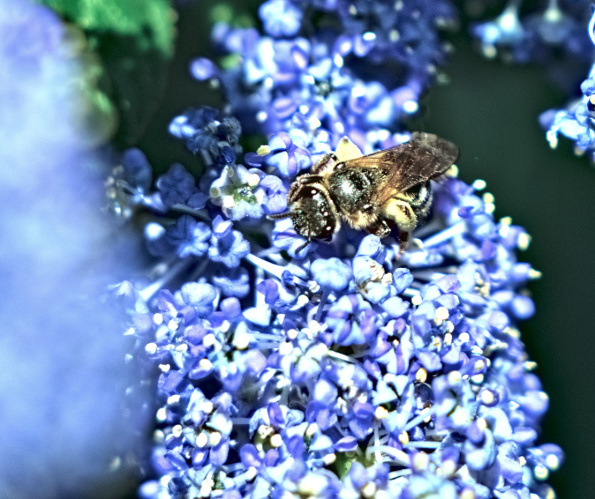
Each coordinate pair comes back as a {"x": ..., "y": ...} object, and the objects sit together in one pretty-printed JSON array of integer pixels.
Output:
[
  {"x": 343, "y": 370},
  {"x": 282, "y": 80}
]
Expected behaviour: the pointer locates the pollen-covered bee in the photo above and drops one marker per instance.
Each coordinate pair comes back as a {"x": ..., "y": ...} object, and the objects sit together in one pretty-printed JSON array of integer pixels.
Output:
[{"x": 373, "y": 192}]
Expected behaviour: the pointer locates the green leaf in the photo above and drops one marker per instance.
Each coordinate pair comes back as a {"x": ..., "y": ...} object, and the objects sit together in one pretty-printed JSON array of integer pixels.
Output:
[
  {"x": 343, "y": 463},
  {"x": 151, "y": 22},
  {"x": 134, "y": 40},
  {"x": 137, "y": 81}
]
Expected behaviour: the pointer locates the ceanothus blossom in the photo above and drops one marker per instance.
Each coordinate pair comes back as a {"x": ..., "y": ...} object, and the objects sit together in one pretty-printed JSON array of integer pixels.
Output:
[{"x": 334, "y": 370}]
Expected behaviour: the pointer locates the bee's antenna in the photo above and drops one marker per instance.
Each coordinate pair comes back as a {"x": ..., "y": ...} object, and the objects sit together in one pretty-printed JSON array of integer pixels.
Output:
[
  {"x": 309, "y": 179},
  {"x": 278, "y": 216}
]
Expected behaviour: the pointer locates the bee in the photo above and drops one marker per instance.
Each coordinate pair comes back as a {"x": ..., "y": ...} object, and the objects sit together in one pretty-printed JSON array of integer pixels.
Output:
[{"x": 372, "y": 193}]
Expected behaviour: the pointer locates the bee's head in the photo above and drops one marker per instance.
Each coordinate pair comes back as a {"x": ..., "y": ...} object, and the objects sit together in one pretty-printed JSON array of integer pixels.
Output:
[{"x": 312, "y": 212}]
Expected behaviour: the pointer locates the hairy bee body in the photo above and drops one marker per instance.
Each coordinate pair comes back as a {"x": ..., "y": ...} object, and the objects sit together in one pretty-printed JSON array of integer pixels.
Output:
[{"x": 371, "y": 193}]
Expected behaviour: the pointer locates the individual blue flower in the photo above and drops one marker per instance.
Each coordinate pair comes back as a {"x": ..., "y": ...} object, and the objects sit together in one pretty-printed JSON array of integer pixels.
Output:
[
  {"x": 202, "y": 69},
  {"x": 480, "y": 447},
  {"x": 188, "y": 236},
  {"x": 129, "y": 183},
  {"x": 371, "y": 279},
  {"x": 352, "y": 321},
  {"x": 276, "y": 193},
  {"x": 154, "y": 234},
  {"x": 227, "y": 246},
  {"x": 239, "y": 193},
  {"x": 204, "y": 132},
  {"x": 361, "y": 481},
  {"x": 289, "y": 152},
  {"x": 137, "y": 170},
  {"x": 556, "y": 28},
  {"x": 198, "y": 295},
  {"x": 176, "y": 186},
  {"x": 280, "y": 17},
  {"x": 234, "y": 282},
  {"x": 332, "y": 273},
  {"x": 372, "y": 104},
  {"x": 321, "y": 408},
  {"x": 504, "y": 31}
]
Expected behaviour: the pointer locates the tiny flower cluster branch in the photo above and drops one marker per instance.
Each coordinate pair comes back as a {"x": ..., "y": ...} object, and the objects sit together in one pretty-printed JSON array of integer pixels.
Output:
[
  {"x": 560, "y": 36},
  {"x": 341, "y": 370},
  {"x": 577, "y": 120},
  {"x": 537, "y": 32}
]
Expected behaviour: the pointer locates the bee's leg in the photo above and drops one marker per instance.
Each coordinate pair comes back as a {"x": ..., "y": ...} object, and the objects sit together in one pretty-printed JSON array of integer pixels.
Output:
[
  {"x": 379, "y": 228},
  {"x": 400, "y": 212},
  {"x": 306, "y": 242},
  {"x": 404, "y": 238},
  {"x": 329, "y": 161}
]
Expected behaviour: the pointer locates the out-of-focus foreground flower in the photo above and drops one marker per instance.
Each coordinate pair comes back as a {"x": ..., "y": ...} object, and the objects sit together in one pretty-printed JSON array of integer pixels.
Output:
[
  {"x": 64, "y": 379},
  {"x": 343, "y": 370}
]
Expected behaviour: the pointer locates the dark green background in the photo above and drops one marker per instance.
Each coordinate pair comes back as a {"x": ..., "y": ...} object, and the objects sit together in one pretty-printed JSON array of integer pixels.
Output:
[{"x": 490, "y": 110}]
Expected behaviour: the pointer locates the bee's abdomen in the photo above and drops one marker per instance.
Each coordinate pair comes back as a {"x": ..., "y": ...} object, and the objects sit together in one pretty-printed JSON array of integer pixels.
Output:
[{"x": 420, "y": 198}]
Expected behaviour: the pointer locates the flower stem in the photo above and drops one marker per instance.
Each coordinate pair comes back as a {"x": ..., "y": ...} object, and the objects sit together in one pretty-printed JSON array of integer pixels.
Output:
[
  {"x": 325, "y": 293},
  {"x": 147, "y": 293}
]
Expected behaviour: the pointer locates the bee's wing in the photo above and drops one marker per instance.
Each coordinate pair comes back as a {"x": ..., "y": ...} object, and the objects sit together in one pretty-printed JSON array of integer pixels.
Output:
[{"x": 424, "y": 157}]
